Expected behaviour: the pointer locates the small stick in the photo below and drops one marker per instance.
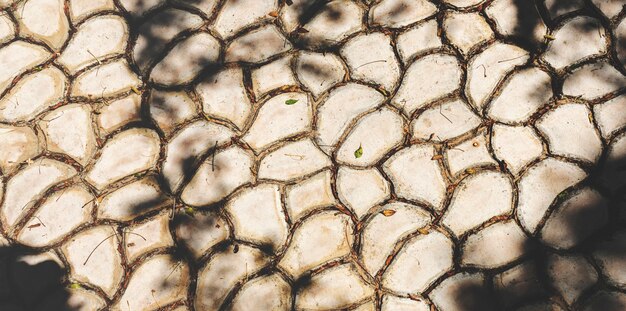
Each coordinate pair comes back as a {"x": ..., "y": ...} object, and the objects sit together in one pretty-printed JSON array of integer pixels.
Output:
[
  {"x": 60, "y": 195},
  {"x": 173, "y": 209},
  {"x": 441, "y": 113},
  {"x": 508, "y": 60},
  {"x": 39, "y": 167},
  {"x": 110, "y": 236},
  {"x": 484, "y": 70},
  {"x": 39, "y": 220},
  {"x": 213, "y": 157},
  {"x": 173, "y": 269},
  {"x": 372, "y": 62},
  {"x": 84, "y": 205},
  {"x": 137, "y": 234},
  {"x": 299, "y": 157},
  {"x": 62, "y": 113},
  {"x": 94, "y": 57}
]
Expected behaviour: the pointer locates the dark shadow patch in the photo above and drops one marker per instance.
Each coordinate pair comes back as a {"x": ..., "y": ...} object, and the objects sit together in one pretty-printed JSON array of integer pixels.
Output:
[{"x": 31, "y": 282}]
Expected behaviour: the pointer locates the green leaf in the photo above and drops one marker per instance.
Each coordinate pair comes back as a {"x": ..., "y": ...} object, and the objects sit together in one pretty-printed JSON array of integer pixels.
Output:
[
  {"x": 359, "y": 152},
  {"x": 291, "y": 101},
  {"x": 75, "y": 286}
]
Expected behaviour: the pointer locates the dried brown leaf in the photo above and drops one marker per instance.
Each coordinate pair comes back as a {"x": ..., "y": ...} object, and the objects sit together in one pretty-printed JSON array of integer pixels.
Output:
[{"x": 388, "y": 212}]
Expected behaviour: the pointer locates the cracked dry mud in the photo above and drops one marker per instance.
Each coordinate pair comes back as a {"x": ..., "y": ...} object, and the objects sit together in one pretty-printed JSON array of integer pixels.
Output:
[{"x": 312, "y": 155}]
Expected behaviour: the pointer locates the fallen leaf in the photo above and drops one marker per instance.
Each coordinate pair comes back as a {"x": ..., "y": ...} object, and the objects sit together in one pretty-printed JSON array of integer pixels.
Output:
[
  {"x": 135, "y": 90},
  {"x": 75, "y": 286},
  {"x": 549, "y": 37},
  {"x": 273, "y": 14},
  {"x": 359, "y": 152},
  {"x": 301, "y": 30},
  {"x": 470, "y": 171},
  {"x": 423, "y": 230},
  {"x": 388, "y": 260},
  {"x": 189, "y": 210},
  {"x": 437, "y": 157},
  {"x": 291, "y": 101},
  {"x": 388, "y": 212}
]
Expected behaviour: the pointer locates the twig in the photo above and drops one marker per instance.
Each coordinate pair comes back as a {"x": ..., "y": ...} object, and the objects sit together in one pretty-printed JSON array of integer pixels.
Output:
[
  {"x": 441, "y": 113},
  {"x": 213, "y": 157},
  {"x": 299, "y": 157},
  {"x": 39, "y": 167},
  {"x": 137, "y": 234},
  {"x": 155, "y": 300},
  {"x": 88, "y": 203},
  {"x": 60, "y": 195},
  {"x": 510, "y": 59},
  {"x": 372, "y": 62},
  {"x": 40, "y": 220},
  {"x": 173, "y": 209},
  {"x": 484, "y": 70},
  {"x": 27, "y": 203},
  {"x": 62, "y": 113},
  {"x": 94, "y": 57},
  {"x": 110, "y": 236},
  {"x": 173, "y": 269}
]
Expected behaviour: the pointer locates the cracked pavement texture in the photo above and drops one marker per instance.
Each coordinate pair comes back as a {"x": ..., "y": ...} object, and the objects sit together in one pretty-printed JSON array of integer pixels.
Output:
[{"x": 451, "y": 155}]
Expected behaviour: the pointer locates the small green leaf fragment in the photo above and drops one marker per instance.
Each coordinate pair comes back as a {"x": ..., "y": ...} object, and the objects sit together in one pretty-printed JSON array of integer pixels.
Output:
[
  {"x": 75, "y": 286},
  {"x": 189, "y": 210},
  {"x": 359, "y": 152},
  {"x": 291, "y": 101}
]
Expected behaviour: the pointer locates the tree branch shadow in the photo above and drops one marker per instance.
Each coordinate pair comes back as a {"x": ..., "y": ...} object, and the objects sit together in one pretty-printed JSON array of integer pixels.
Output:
[{"x": 31, "y": 280}]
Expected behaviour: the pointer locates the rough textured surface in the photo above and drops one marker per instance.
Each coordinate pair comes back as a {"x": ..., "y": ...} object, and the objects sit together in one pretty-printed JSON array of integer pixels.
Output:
[{"x": 367, "y": 155}]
